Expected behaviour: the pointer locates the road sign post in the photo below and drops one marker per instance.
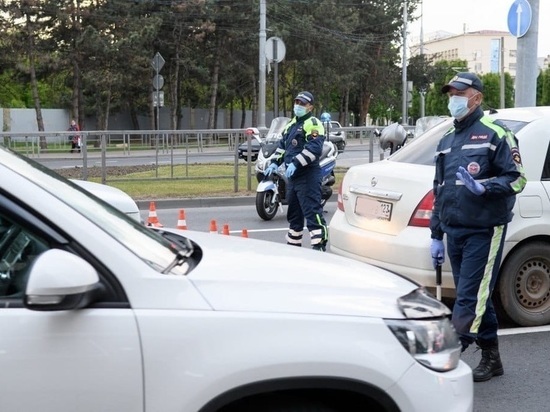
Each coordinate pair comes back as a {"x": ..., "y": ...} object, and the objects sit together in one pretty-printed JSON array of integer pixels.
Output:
[
  {"x": 275, "y": 51},
  {"x": 158, "y": 82}
]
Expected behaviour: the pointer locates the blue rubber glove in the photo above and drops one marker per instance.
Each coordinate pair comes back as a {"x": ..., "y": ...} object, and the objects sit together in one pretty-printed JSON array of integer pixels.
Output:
[
  {"x": 272, "y": 168},
  {"x": 290, "y": 170},
  {"x": 473, "y": 186},
  {"x": 437, "y": 250}
]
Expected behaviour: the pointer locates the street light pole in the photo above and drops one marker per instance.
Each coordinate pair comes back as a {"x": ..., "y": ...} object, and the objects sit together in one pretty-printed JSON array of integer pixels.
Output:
[
  {"x": 404, "y": 116},
  {"x": 262, "y": 75}
]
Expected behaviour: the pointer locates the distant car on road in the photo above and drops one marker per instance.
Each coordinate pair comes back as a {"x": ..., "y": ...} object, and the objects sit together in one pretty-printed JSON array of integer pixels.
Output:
[
  {"x": 337, "y": 136},
  {"x": 252, "y": 134},
  {"x": 384, "y": 210}
]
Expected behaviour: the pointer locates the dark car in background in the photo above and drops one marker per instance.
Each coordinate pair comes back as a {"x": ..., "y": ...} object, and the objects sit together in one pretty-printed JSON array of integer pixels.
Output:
[
  {"x": 252, "y": 134},
  {"x": 337, "y": 136}
]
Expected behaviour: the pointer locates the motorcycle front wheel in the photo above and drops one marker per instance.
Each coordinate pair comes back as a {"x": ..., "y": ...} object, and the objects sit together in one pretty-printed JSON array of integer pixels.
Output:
[{"x": 265, "y": 206}]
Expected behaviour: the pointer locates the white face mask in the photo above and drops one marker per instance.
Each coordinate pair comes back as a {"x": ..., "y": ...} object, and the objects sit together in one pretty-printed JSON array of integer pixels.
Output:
[
  {"x": 458, "y": 106},
  {"x": 299, "y": 111}
]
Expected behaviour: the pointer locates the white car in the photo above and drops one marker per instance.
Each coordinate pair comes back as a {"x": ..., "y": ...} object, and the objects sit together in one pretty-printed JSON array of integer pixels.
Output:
[
  {"x": 100, "y": 313},
  {"x": 384, "y": 210},
  {"x": 112, "y": 195}
]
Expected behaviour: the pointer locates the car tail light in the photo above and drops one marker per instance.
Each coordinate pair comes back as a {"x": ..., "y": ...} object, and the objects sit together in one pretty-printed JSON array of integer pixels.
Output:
[
  {"x": 423, "y": 212},
  {"x": 340, "y": 203}
]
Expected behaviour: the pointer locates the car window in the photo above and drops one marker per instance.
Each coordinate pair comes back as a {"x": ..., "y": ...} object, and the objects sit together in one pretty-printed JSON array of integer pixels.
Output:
[
  {"x": 149, "y": 246},
  {"x": 422, "y": 149},
  {"x": 18, "y": 249}
]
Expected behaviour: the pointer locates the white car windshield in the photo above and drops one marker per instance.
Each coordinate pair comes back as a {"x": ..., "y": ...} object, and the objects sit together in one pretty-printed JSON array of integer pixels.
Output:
[{"x": 142, "y": 241}]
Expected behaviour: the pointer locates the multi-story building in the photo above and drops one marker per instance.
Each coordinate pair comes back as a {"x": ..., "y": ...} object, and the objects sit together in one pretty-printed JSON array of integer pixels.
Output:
[{"x": 481, "y": 49}]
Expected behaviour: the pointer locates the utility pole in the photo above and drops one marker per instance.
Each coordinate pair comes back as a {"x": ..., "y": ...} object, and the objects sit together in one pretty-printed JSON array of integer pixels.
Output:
[
  {"x": 404, "y": 116},
  {"x": 261, "y": 58},
  {"x": 422, "y": 86},
  {"x": 527, "y": 67}
]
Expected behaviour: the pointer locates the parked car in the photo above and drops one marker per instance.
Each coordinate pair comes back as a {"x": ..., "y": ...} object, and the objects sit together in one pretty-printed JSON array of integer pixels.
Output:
[
  {"x": 337, "y": 136},
  {"x": 112, "y": 195},
  {"x": 253, "y": 134},
  {"x": 384, "y": 210},
  {"x": 101, "y": 313}
]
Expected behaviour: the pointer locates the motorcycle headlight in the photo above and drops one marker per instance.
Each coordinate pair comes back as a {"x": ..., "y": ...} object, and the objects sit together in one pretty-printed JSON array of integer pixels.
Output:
[{"x": 433, "y": 343}]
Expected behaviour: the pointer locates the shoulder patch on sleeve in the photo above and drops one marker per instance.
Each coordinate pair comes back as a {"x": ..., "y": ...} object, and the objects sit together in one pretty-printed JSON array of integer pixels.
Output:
[{"x": 515, "y": 155}]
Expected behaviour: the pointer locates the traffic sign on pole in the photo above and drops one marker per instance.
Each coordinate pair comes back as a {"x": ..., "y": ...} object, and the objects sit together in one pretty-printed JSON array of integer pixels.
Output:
[
  {"x": 275, "y": 49},
  {"x": 158, "y": 62},
  {"x": 519, "y": 18}
]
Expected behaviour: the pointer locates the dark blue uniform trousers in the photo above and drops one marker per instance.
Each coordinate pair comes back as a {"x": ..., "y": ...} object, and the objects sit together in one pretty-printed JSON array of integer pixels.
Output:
[
  {"x": 304, "y": 202},
  {"x": 475, "y": 255}
]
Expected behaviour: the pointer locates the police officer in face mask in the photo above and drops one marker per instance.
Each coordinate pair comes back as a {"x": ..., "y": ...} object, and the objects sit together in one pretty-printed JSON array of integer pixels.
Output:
[
  {"x": 300, "y": 150},
  {"x": 478, "y": 174}
]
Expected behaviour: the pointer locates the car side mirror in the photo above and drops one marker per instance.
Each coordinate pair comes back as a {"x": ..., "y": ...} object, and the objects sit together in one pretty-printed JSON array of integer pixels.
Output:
[{"x": 59, "y": 280}]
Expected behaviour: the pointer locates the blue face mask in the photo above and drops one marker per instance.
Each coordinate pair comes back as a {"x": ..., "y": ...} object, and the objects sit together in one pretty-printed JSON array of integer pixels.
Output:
[
  {"x": 458, "y": 106},
  {"x": 299, "y": 111}
]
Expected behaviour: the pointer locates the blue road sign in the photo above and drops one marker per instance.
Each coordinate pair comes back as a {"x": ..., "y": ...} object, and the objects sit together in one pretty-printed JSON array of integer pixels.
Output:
[{"x": 519, "y": 18}]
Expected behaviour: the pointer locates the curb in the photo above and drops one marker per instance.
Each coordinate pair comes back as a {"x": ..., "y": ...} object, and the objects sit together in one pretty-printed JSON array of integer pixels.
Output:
[{"x": 205, "y": 202}]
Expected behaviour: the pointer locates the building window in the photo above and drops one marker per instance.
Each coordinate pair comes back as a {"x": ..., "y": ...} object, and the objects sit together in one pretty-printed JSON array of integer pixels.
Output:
[
  {"x": 512, "y": 66},
  {"x": 477, "y": 67},
  {"x": 512, "y": 53}
]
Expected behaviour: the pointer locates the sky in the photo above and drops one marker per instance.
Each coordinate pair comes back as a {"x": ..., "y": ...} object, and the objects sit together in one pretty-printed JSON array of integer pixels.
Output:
[{"x": 451, "y": 16}]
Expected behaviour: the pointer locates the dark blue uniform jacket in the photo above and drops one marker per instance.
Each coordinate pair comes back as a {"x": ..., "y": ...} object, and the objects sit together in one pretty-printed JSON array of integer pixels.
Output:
[{"x": 489, "y": 151}]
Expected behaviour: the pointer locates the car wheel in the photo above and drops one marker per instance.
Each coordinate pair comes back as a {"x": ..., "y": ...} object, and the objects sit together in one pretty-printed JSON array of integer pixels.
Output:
[
  {"x": 524, "y": 285},
  {"x": 264, "y": 206},
  {"x": 341, "y": 146}
]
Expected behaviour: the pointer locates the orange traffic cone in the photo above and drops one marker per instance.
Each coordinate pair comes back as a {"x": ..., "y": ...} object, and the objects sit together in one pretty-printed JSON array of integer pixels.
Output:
[
  {"x": 213, "y": 226},
  {"x": 182, "y": 224},
  {"x": 153, "y": 220},
  {"x": 225, "y": 230},
  {"x": 244, "y": 233}
]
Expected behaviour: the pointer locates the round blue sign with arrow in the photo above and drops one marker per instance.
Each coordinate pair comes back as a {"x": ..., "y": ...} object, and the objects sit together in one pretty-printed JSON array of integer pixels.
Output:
[{"x": 519, "y": 18}]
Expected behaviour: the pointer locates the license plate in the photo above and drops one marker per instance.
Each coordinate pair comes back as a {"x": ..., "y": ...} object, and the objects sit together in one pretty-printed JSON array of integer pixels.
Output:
[{"x": 373, "y": 209}]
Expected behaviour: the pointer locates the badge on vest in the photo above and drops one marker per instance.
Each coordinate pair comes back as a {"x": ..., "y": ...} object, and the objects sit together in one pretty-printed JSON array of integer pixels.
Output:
[{"x": 473, "y": 168}]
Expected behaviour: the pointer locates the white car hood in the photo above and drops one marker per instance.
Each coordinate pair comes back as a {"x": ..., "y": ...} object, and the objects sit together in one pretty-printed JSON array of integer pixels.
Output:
[{"x": 271, "y": 277}]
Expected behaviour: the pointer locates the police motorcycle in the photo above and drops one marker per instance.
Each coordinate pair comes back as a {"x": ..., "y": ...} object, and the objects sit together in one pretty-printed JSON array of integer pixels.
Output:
[{"x": 271, "y": 190}]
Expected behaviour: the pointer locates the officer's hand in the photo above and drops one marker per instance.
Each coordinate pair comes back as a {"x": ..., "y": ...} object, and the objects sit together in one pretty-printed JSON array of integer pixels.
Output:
[
  {"x": 437, "y": 250},
  {"x": 272, "y": 168},
  {"x": 473, "y": 186},
  {"x": 290, "y": 170}
]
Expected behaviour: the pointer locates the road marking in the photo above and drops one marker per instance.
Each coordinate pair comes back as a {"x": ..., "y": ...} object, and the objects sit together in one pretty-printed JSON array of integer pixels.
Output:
[
  {"x": 530, "y": 329},
  {"x": 261, "y": 230}
]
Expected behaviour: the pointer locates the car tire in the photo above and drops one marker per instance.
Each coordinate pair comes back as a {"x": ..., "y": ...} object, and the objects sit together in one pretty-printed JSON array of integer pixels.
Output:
[
  {"x": 524, "y": 285},
  {"x": 266, "y": 210}
]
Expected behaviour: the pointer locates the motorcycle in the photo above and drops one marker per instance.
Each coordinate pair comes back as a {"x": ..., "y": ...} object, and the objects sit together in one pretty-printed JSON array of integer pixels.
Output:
[{"x": 271, "y": 190}]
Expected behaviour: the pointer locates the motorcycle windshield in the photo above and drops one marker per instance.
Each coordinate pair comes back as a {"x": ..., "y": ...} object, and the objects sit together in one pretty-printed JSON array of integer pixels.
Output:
[{"x": 275, "y": 131}]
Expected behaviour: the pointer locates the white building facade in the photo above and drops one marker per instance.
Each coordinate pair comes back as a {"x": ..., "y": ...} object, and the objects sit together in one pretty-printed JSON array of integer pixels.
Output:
[{"x": 480, "y": 49}]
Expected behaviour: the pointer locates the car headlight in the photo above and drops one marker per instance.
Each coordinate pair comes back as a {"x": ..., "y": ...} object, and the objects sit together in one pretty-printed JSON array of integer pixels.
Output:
[{"x": 433, "y": 343}]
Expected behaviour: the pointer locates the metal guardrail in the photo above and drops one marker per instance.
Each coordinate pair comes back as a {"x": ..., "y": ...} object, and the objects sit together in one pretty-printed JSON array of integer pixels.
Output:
[{"x": 155, "y": 143}]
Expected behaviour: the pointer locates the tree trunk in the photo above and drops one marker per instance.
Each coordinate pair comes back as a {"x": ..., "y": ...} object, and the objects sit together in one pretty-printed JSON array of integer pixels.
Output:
[
  {"x": 34, "y": 84},
  {"x": 214, "y": 84}
]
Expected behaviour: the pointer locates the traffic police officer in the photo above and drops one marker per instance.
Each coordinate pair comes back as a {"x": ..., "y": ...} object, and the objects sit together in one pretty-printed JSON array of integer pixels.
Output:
[
  {"x": 300, "y": 150},
  {"x": 478, "y": 174}
]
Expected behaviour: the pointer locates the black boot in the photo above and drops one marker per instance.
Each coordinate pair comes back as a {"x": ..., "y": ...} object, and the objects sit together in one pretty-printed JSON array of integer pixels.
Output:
[{"x": 490, "y": 364}]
